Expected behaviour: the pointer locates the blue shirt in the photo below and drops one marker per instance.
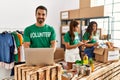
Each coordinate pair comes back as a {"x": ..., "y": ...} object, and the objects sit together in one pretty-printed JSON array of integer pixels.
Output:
[{"x": 6, "y": 48}]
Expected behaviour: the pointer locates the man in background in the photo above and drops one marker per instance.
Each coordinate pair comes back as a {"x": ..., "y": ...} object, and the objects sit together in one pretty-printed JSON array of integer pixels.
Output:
[{"x": 40, "y": 35}]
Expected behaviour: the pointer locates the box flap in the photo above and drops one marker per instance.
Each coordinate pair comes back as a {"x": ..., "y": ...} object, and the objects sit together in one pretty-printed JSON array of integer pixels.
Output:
[
  {"x": 59, "y": 53},
  {"x": 99, "y": 51}
]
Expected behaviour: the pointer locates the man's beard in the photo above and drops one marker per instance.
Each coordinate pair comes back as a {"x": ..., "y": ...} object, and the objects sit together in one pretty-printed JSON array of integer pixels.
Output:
[{"x": 40, "y": 20}]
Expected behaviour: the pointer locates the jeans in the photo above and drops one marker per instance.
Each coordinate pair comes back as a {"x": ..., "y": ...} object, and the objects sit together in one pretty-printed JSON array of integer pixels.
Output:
[{"x": 89, "y": 52}]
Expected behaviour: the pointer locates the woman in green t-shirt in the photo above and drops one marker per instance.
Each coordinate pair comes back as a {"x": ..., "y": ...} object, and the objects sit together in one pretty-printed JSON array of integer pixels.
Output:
[
  {"x": 72, "y": 42},
  {"x": 90, "y": 37}
]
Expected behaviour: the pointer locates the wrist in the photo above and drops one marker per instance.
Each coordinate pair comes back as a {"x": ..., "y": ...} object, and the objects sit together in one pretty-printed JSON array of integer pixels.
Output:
[{"x": 77, "y": 45}]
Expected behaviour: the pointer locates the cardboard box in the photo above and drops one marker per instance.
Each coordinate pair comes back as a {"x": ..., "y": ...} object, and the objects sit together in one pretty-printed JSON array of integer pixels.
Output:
[
  {"x": 64, "y": 15},
  {"x": 85, "y": 3},
  {"x": 74, "y": 14},
  {"x": 106, "y": 54},
  {"x": 59, "y": 54},
  {"x": 92, "y": 12},
  {"x": 65, "y": 29}
]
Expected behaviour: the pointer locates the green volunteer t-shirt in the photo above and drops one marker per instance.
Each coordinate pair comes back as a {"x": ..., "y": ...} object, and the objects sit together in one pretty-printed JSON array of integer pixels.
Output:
[
  {"x": 39, "y": 37},
  {"x": 67, "y": 38},
  {"x": 93, "y": 40}
]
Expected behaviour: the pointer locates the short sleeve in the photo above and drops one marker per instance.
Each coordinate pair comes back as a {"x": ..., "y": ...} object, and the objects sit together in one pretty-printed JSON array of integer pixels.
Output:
[
  {"x": 86, "y": 36},
  {"x": 53, "y": 34},
  {"x": 66, "y": 38},
  {"x": 26, "y": 35}
]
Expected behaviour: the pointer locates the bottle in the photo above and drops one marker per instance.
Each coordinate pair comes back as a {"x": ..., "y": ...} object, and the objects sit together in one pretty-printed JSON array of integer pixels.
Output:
[
  {"x": 92, "y": 67},
  {"x": 91, "y": 64},
  {"x": 85, "y": 59}
]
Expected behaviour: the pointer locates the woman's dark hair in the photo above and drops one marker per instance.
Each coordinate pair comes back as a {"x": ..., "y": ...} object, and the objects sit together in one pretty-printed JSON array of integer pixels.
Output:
[
  {"x": 73, "y": 24},
  {"x": 41, "y": 7},
  {"x": 90, "y": 28}
]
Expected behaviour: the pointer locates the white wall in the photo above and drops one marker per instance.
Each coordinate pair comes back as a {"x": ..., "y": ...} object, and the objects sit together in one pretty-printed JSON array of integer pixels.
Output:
[{"x": 17, "y": 14}]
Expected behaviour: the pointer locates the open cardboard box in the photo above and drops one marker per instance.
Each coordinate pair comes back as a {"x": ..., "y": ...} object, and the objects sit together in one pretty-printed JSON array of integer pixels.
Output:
[
  {"x": 59, "y": 54},
  {"x": 106, "y": 54}
]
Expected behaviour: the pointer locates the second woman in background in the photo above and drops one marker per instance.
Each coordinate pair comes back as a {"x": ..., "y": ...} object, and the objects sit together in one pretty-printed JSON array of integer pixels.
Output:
[
  {"x": 72, "y": 42},
  {"x": 91, "y": 38}
]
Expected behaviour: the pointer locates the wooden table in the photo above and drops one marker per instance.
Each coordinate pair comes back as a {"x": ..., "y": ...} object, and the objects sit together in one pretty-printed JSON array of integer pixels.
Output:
[{"x": 103, "y": 71}]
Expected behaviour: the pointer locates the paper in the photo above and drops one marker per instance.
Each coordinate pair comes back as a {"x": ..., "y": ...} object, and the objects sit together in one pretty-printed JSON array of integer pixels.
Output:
[
  {"x": 113, "y": 55},
  {"x": 64, "y": 15},
  {"x": 65, "y": 29}
]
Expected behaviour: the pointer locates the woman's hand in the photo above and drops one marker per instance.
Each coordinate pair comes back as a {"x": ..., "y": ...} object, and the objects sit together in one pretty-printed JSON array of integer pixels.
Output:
[
  {"x": 80, "y": 44},
  {"x": 96, "y": 44}
]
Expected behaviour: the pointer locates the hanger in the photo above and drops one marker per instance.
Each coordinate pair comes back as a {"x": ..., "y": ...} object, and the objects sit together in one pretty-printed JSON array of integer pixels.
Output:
[{"x": 4, "y": 32}]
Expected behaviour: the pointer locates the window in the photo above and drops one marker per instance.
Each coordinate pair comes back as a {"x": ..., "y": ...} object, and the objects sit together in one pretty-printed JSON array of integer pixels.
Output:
[
  {"x": 116, "y": 26},
  {"x": 116, "y": 7},
  {"x": 111, "y": 8},
  {"x": 116, "y": 1},
  {"x": 108, "y": 2},
  {"x": 108, "y": 9},
  {"x": 116, "y": 16},
  {"x": 97, "y": 3}
]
